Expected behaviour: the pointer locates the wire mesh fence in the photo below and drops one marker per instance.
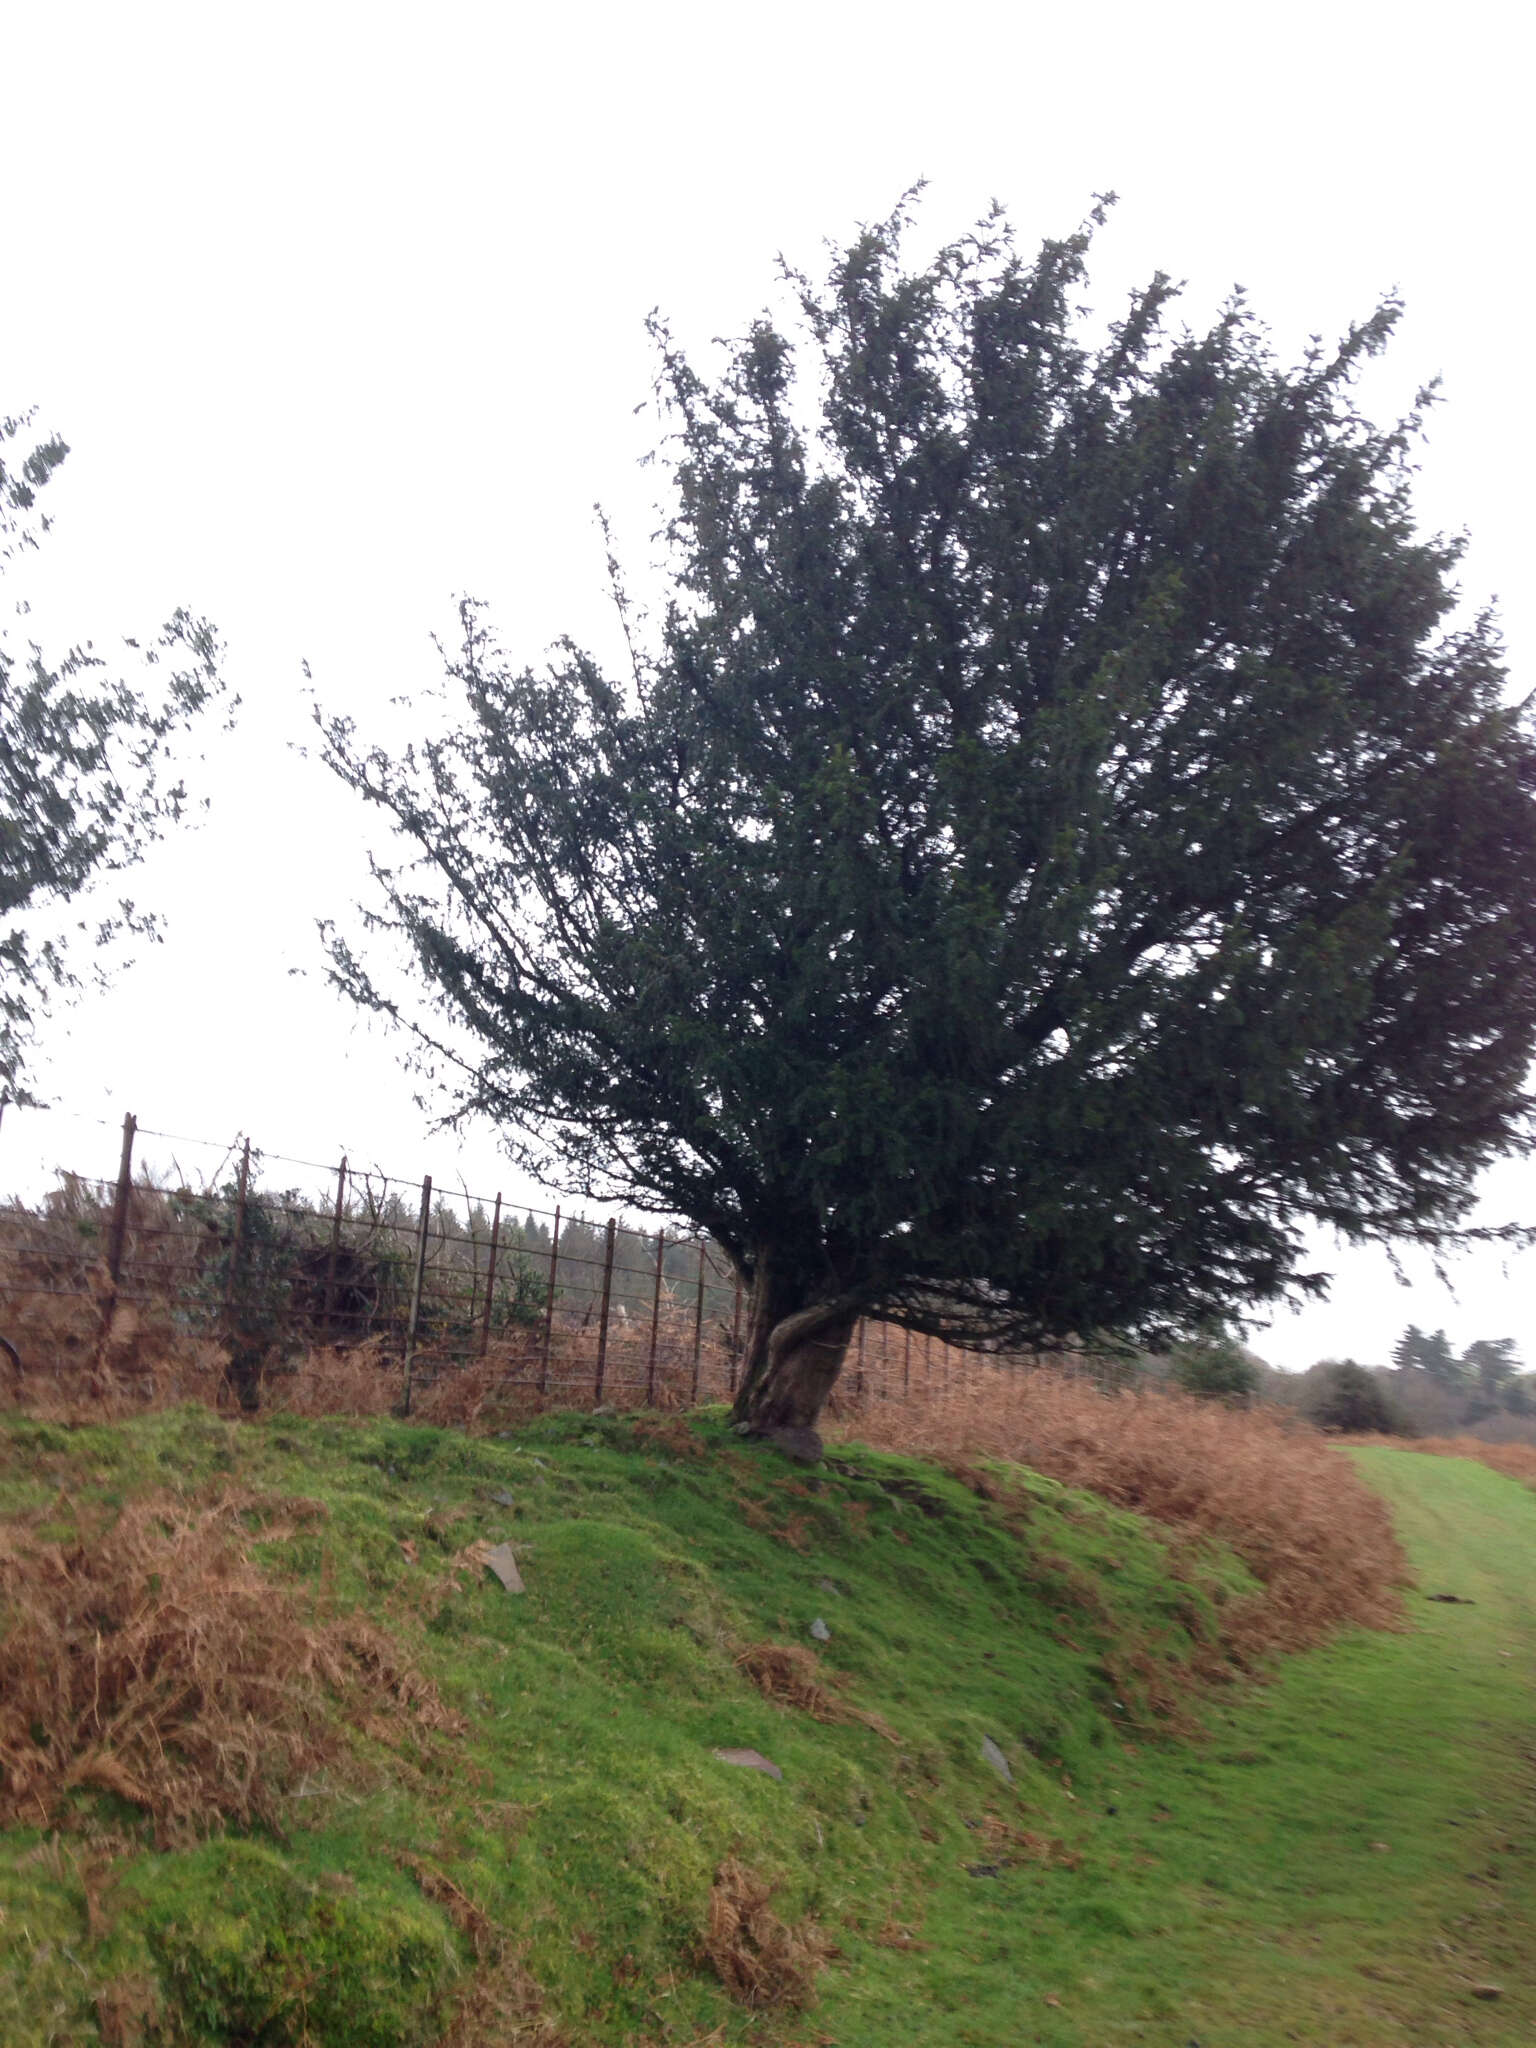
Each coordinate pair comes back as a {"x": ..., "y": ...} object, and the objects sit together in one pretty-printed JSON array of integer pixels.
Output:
[{"x": 356, "y": 1286}]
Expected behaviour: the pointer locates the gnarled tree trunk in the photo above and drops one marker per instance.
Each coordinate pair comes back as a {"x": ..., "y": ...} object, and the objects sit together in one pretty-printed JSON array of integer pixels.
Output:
[{"x": 794, "y": 1350}]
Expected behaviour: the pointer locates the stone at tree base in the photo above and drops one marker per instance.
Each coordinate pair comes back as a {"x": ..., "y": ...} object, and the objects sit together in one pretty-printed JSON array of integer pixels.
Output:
[
  {"x": 820, "y": 1631},
  {"x": 801, "y": 1444},
  {"x": 750, "y": 1760},
  {"x": 994, "y": 1756}
]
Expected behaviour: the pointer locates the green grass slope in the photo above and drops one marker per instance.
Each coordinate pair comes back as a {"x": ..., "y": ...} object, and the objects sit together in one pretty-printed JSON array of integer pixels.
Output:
[{"x": 1344, "y": 1857}]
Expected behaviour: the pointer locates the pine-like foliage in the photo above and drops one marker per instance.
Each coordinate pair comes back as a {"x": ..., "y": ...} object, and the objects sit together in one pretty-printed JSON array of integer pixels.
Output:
[{"x": 1052, "y": 849}]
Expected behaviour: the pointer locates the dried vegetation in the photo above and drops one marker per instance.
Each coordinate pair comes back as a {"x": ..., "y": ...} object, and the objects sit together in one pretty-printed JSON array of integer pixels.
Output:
[
  {"x": 793, "y": 1676},
  {"x": 760, "y": 1960},
  {"x": 149, "y": 1657},
  {"x": 1317, "y": 1539}
]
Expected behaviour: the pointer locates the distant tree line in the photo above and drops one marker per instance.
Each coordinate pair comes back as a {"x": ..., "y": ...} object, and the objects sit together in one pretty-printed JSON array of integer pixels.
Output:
[{"x": 1427, "y": 1390}]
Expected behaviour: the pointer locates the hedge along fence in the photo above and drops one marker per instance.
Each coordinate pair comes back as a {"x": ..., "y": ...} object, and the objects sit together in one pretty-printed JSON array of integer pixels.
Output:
[{"x": 378, "y": 1291}]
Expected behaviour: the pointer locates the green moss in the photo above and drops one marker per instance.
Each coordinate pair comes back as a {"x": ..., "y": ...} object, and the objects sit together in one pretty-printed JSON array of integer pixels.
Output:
[{"x": 244, "y": 1948}]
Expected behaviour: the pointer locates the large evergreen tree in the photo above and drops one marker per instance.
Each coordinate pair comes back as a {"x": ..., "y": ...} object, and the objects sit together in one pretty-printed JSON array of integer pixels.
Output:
[{"x": 1053, "y": 848}]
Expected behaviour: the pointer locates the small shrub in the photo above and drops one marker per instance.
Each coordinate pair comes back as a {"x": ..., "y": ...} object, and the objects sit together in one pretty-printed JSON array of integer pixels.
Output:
[
  {"x": 1216, "y": 1369},
  {"x": 1352, "y": 1400}
]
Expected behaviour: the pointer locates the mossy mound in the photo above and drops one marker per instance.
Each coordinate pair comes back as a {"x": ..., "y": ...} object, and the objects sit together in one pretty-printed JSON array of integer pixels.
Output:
[{"x": 230, "y": 1942}]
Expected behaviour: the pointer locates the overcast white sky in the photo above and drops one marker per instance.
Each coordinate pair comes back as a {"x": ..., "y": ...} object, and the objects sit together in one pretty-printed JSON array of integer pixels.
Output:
[{"x": 341, "y": 311}]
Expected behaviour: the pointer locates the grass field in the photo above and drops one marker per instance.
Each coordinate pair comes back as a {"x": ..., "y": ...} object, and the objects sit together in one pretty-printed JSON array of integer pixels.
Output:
[{"x": 457, "y": 1814}]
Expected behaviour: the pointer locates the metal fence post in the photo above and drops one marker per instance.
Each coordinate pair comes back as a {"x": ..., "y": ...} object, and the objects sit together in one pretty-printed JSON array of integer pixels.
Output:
[
  {"x": 421, "y": 1269},
  {"x": 698, "y": 1326},
  {"x": 602, "y": 1324},
  {"x": 329, "y": 1312},
  {"x": 490, "y": 1278},
  {"x": 549, "y": 1303},
  {"x": 650, "y": 1368}
]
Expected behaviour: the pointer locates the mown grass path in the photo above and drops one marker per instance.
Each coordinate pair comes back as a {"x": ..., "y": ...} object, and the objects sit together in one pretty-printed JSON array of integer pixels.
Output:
[{"x": 1351, "y": 1857}]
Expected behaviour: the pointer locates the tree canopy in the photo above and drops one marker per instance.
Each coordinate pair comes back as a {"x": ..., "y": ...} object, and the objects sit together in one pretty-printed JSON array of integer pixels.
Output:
[
  {"x": 83, "y": 787},
  {"x": 1052, "y": 847}
]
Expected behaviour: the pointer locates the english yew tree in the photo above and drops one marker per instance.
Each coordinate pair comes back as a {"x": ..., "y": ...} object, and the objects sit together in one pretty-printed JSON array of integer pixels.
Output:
[{"x": 1053, "y": 847}]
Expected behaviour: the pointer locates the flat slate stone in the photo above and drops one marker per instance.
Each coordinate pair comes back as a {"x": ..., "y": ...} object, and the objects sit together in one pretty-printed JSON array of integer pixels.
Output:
[
  {"x": 502, "y": 1562},
  {"x": 502, "y": 1498},
  {"x": 994, "y": 1756},
  {"x": 820, "y": 1631},
  {"x": 750, "y": 1760}
]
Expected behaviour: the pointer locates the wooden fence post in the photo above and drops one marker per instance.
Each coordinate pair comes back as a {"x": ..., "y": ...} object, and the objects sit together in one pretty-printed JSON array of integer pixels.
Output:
[
  {"x": 490, "y": 1278},
  {"x": 698, "y": 1326},
  {"x": 906, "y": 1362},
  {"x": 549, "y": 1303},
  {"x": 602, "y": 1321},
  {"x": 329, "y": 1311},
  {"x": 420, "y": 1275},
  {"x": 650, "y": 1369},
  {"x": 860, "y": 1381},
  {"x": 117, "y": 1236}
]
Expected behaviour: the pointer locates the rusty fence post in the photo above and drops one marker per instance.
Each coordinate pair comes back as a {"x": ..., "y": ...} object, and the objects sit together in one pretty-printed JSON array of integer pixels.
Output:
[
  {"x": 416, "y": 1283},
  {"x": 650, "y": 1366},
  {"x": 549, "y": 1303},
  {"x": 328, "y": 1313},
  {"x": 490, "y": 1278},
  {"x": 698, "y": 1326},
  {"x": 602, "y": 1321}
]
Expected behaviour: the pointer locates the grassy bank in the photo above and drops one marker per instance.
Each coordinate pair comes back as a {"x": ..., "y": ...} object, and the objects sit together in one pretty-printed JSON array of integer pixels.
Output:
[{"x": 461, "y": 1813}]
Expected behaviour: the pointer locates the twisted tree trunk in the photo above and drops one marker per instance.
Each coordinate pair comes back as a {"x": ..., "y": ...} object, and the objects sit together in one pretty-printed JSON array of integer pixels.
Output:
[{"x": 793, "y": 1354}]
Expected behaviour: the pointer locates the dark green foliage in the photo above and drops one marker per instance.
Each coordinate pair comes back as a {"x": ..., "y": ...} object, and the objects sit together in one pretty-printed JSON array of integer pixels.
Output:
[
  {"x": 1050, "y": 849},
  {"x": 1444, "y": 1392},
  {"x": 1491, "y": 1363},
  {"x": 82, "y": 767},
  {"x": 268, "y": 1282},
  {"x": 1428, "y": 1353},
  {"x": 1350, "y": 1398},
  {"x": 1217, "y": 1368}
]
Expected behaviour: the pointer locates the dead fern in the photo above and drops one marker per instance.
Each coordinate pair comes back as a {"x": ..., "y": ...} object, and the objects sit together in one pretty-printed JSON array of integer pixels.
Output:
[
  {"x": 792, "y": 1676},
  {"x": 760, "y": 1960},
  {"x": 153, "y": 1659}
]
